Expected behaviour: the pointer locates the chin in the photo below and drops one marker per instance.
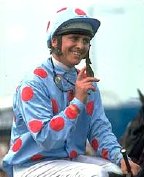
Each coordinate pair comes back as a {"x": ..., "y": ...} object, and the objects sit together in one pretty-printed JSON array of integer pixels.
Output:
[{"x": 74, "y": 63}]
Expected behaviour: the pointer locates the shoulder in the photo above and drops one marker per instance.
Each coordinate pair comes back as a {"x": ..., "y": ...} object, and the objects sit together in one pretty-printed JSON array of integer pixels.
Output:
[{"x": 37, "y": 77}]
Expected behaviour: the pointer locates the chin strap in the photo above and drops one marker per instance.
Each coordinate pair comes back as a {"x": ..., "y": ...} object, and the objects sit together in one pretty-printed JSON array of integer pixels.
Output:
[{"x": 89, "y": 71}]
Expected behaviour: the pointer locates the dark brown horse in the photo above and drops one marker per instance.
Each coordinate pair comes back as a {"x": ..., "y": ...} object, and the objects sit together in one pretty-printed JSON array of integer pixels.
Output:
[{"x": 133, "y": 139}]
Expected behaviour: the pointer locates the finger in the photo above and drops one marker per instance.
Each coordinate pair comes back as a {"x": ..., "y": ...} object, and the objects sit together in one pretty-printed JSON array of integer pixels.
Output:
[
  {"x": 81, "y": 74},
  {"x": 91, "y": 79}
]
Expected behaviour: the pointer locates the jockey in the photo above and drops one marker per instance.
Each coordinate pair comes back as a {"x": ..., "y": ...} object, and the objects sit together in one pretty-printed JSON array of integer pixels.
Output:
[{"x": 58, "y": 108}]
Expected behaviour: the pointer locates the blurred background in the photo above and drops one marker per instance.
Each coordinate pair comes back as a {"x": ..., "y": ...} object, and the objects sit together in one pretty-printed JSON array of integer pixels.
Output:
[{"x": 117, "y": 53}]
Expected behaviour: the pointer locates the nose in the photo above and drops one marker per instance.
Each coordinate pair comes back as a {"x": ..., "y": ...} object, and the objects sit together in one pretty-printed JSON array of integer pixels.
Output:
[{"x": 80, "y": 44}]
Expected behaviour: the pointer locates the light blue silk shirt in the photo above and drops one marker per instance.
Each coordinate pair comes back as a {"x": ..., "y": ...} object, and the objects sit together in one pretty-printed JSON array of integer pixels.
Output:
[{"x": 51, "y": 124}]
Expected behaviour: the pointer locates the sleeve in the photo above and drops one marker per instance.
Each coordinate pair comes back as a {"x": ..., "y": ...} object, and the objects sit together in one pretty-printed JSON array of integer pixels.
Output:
[
  {"x": 101, "y": 137},
  {"x": 48, "y": 130}
]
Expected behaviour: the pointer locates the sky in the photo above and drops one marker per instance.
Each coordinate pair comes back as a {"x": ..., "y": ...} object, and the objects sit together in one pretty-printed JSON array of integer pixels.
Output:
[{"x": 117, "y": 53}]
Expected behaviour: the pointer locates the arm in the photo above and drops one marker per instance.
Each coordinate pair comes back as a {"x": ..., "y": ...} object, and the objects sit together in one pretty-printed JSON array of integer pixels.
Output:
[
  {"x": 101, "y": 136},
  {"x": 104, "y": 141},
  {"x": 48, "y": 130}
]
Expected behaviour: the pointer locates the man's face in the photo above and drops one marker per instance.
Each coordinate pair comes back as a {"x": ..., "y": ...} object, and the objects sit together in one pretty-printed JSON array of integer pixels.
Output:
[{"x": 74, "y": 48}]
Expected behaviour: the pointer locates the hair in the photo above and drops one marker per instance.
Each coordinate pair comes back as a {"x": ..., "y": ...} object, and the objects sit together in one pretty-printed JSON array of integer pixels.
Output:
[{"x": 56, "y": 50}]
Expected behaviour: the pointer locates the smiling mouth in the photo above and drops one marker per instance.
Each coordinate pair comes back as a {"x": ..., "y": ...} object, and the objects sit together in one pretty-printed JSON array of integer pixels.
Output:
[{"x": 78, "y": 54}]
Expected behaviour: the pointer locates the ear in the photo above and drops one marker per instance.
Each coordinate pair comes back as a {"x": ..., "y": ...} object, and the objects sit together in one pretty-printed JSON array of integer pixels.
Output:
[
  {"x": 54, "y": 42},
  {"x": 141, "y": 96}
]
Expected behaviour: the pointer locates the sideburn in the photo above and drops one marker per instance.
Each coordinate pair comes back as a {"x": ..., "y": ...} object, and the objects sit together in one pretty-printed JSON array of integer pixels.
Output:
[{"x": 57, "y": 50}]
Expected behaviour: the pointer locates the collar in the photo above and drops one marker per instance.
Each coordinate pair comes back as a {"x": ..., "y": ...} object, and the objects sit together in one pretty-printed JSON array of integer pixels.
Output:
[{"x": 58, "y": 63}]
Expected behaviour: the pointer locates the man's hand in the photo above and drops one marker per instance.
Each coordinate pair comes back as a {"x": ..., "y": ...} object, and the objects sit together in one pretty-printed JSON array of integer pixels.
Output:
[
  {"x": 135, "y": 168},
  {"x": 83, "y": 85}
]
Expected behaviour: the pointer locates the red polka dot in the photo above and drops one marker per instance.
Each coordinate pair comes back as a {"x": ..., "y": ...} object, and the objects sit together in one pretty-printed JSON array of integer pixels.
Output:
[
  {"x": 72, "y": 111},
  {"x": 40, "y": 72},
  {"x": 27, "y": 93},
  {"x": 90, "y": 107},
  {"x": 37, "y": 157},
  {"x": 17, "y": 145},
  {"x": 35, "y": 125},
  {"x": 57, "y": 124},
  {"x": 54, "y": 106},
  {"x": 79, "y": 12},
  {"x": 95, "y": 144},
  {"x": 105, "y": 153},
  {"x": 73, "y": 154},
  {"x": 70, "y": 95},
  {"x": 64, "y": 8},
  {"x": 48, "y": 25}
]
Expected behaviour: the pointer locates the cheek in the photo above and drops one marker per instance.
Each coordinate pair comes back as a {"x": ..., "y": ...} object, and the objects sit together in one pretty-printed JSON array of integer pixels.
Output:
[
  {"x": 67, "y": 47},
  {"x": 86, "y": 49}
]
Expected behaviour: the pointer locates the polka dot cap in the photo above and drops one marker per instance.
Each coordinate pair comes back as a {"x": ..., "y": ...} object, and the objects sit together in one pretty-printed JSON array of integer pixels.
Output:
[
  {"x": 37, "y": 157},
  {"x": 54, "y": 106},
  {"x": 35, "y": 125},
  {"x": 27, "y": 93},
  {"x": 57, "y": 124},
  {"x": 72, "y": 111},
  {"x": 105, "y": 153},
  {"x": 73, "y": 154},
  {"x": 90, "y": 108},
  {"x": 95, "y": 144},
  {"x": 48, "y": 25},
  {"x": 68, "y": 15},
  {"x": 79, "y": 11},
  {"x": 17, "y": 145},
  {"x": 40, "y": 72},
  {"x": 64, "y": 8}
]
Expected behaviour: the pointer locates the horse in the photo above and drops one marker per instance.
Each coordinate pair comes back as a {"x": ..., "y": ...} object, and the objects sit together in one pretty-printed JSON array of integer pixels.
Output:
[{"x": 133, "y": 138}]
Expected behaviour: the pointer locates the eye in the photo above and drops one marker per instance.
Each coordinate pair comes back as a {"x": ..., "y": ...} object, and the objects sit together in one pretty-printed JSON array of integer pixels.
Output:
[
  {"x": 77, "y": 38},
  {"x": 86, "y": 41},
  {"x": 74, "y": 38}
]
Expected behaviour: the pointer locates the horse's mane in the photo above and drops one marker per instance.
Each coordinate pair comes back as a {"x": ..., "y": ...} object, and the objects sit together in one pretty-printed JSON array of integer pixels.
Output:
[{"x": 133, "y": 138}]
